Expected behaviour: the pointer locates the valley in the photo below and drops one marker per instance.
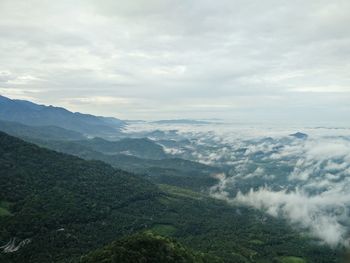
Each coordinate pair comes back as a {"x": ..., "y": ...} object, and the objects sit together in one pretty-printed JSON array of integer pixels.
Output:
[{"x": 70, "y": 196}]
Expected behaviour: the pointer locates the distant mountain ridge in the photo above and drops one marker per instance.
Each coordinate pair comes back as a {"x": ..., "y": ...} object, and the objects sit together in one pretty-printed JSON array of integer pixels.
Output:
[
  {"x": 29, "y": 113},
  {"x": 139, "y": 147},
  {"x": 39, "y": 132}
]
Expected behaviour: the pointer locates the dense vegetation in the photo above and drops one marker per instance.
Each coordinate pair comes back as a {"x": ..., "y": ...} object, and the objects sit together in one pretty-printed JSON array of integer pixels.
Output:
[
  {"x": 147, "y": 248},
  {"x": 50, "y": 191},
  {"x": 66, "y": 207},
  {"x": 173, "y": 171}
]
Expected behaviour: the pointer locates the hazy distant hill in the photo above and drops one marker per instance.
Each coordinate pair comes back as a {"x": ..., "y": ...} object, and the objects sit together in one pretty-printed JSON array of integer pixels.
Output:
[
  {"x": 299, "y": 135},
  {"x": 39, "y": 132},
  {"x": 29, "y": 113},
  {"x": 139, "y": 147}
]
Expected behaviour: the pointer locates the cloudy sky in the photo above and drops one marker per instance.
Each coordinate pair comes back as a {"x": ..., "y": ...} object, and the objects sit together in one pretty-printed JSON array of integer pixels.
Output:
[{"x": 241, "y": 60}]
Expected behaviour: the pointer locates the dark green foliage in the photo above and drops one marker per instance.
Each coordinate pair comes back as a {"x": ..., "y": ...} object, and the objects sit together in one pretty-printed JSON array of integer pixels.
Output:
[
  {"x": 51, "y": 191},
  {"x": 173, "y": 171},
  {"x": 147, "y": 248}
]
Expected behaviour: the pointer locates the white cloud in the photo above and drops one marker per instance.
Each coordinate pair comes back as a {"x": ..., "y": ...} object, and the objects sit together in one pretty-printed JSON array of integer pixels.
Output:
[
  {"x": 323, "y": 89},
  {"x": 305, "y": 181},
  {"x": 232, "y": 59},
  {"x": 322, "y": 214},
  {"x": 97, "y": 100}
]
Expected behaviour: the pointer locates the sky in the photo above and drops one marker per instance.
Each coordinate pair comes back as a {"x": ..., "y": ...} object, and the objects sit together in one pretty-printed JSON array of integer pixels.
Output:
[{"x": 243, "y": 60}]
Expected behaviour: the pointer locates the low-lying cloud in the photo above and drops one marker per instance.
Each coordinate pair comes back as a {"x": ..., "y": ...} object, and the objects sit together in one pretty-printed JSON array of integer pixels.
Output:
[
  {"x": 305, "y": 181},
  {"x": 323, "y": 214}
]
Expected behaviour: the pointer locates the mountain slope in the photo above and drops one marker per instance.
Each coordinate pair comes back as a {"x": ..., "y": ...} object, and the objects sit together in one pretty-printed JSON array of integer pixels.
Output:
[
  {"x": 39, "y": 132},
  {"x": 49, "y": 192},
  {"x": 29, "y": 113},
  {"x": 173, "y": 171},
  {"x": 139, "y": 147}
]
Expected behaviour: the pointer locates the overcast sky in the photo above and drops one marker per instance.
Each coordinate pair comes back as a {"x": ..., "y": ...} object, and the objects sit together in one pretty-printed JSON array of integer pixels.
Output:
[{"x": 270, "y": 60}]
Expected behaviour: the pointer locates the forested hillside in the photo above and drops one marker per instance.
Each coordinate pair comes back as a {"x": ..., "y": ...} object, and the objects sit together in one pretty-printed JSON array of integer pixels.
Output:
[
  {"x": 63, "y": 204},
  {"x": 147, "y": 247},
  {"x": 173, "y": 171}
]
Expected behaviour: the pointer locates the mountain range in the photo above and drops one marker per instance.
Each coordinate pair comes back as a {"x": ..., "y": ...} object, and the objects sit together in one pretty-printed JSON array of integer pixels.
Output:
[{"x": 29, "y": 113}]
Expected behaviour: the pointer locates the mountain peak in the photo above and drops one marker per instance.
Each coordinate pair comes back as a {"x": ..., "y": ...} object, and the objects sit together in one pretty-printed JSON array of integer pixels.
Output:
[
  {"x": 3, "y": 98},
  {"x": 299, "y": 135}
]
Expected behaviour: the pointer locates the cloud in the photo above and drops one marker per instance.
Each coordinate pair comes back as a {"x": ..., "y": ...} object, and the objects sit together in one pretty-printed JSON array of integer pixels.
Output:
[
  {"x": 321, "y": 214},
  {"x": 97, "y": 100},
  {"x": 19, "y": 93},
  {"x": 235, "y": 59},
  {"x": 305, "y": 181},
  {"x": 323, "y": 89}
]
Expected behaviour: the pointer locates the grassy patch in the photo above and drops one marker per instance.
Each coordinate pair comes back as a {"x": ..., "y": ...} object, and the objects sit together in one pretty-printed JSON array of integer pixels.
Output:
[
  {"x": 163, "y": 229},
  {"x": 181, "y": 192},
  {"x": 4, "y": 208},
  {"x": 256, "y": 242},
  {"x": 291, "y": 260},
  {"x": 168, "y": 200}
]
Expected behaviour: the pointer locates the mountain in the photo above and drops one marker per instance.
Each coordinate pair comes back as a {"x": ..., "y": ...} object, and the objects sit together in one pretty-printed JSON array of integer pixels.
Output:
[
  {"x": 28, "y": 113},
  {"x": 39, "y": 132},
  {"x": 136, "y": 155},
  {"x": 55, "y": 208}
]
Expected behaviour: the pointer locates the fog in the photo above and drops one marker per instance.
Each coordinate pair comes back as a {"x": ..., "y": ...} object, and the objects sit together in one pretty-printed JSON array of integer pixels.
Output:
[{"x": 303, "y": 180}]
